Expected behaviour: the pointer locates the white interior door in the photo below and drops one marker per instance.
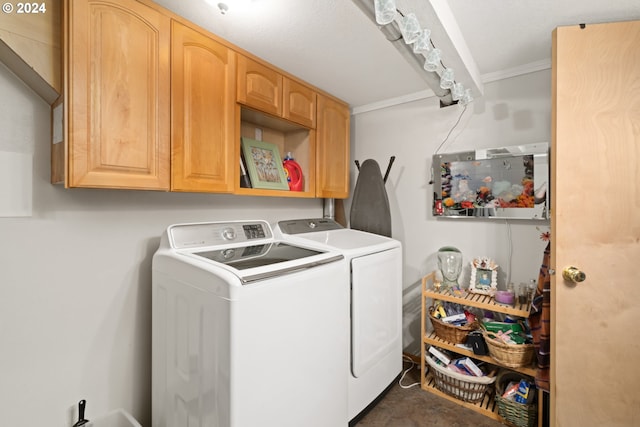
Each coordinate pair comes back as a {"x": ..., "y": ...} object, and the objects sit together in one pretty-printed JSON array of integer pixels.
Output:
[{"x": 595, "y": 225}]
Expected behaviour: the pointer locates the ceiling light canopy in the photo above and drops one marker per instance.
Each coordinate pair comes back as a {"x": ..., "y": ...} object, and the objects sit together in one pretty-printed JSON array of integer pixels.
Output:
[
  {"x": 235, "y": 6},
  {"x": 403, "y": 29}
]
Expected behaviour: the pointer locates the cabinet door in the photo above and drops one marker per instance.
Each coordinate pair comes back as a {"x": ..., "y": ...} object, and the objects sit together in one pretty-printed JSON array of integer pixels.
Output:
[
  {"x": 259, "y": 86},
  {"x": 332, "y": 162},
  {"x": 299, "y": 103},
  {"x": 117, "y": 66},
  {"x": 203, "y": 101}
]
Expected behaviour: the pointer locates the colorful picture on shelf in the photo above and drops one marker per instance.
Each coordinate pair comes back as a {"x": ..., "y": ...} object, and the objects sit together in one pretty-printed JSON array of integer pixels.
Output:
[
  {"x": 264, "y": 165},
  {"x": 484, "y": 276}
]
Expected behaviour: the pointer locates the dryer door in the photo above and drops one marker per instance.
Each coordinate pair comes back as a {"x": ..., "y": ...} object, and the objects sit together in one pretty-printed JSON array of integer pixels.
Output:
[{"x": 376, "y": 308}]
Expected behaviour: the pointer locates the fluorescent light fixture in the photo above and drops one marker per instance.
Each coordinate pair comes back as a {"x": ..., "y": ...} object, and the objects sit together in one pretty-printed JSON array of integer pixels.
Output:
[{"x": 433, "y": 52}]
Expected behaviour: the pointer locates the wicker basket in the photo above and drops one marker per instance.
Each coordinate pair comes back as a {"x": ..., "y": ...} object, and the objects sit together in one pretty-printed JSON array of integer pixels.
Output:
[
  {"x": 511, "y": 355},
  {"x": 451, "y": 333},
  {"x": 513, "y": 413},
  {"x": 464, "y": 387}
]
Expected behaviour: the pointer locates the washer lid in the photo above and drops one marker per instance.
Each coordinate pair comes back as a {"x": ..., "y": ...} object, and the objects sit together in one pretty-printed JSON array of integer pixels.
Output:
[
  {"x": 245, "y": 257},
  {"x": 261, "y": 261}
]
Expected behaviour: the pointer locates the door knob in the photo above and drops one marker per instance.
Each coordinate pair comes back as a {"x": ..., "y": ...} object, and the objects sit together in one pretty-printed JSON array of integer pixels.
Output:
[{"x": 572, "y": 274}]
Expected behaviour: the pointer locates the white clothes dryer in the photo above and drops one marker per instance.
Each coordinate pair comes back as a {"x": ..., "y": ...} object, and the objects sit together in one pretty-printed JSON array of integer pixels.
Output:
[
  {"x": 247, "y": 330},
  {"x": 375, "y": 277}
]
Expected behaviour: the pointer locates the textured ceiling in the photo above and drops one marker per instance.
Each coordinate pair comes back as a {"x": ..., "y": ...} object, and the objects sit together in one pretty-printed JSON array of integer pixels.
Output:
[
  {"x": 507, "y": 34},
  {"x": 332, "y": 44}
]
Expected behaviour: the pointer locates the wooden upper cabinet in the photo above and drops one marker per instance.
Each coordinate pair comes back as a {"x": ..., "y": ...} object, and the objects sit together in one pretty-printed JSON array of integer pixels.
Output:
[
  {"x": 268, "y": 91},
  {"x": 203, "y": 81},
  {"x": 299, "y": 103},
  {"x": 154, "y": 102},
  {"x": 333, "y": 146},
  {"x": 117, "y": 95},
  {"x": 259, "y": 86}
]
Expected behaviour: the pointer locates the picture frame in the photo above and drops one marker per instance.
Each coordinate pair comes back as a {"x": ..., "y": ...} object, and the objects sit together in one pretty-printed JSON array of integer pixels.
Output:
[
  {"x": 484, "y": 276},
  {"x": 264, "y": 165}
]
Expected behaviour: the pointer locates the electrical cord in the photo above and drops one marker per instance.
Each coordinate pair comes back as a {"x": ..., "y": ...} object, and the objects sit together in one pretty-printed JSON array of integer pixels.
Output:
[
  {"x": 447, "y": 137},
  {"x": 510, "y": 241},
  {"x": 408, "y": 359},
  {"x": 451, "y": 130}
]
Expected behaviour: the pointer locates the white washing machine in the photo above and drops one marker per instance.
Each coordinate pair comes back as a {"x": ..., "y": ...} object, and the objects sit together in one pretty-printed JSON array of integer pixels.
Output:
[
  {"x": 375, "y": 264},
  {"x": 247, "y": 330}
]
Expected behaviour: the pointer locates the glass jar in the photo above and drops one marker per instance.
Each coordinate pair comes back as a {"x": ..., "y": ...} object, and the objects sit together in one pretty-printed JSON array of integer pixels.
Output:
[
  {"x": 512, "y": 293},
  {"x": 523, "y": 293},
  {"x": 450, "y": 264}
]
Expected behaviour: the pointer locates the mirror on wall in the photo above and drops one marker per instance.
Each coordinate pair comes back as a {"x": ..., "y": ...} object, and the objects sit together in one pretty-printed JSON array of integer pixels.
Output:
[{"x": 504, "y": 182}]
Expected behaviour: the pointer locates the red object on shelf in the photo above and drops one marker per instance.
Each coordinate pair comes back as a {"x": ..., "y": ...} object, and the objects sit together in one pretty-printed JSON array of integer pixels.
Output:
[{"x": 293, "y": 170}]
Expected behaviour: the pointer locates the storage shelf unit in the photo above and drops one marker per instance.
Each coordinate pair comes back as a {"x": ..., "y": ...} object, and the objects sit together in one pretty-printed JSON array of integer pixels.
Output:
[{"x": 487, "y": 406}]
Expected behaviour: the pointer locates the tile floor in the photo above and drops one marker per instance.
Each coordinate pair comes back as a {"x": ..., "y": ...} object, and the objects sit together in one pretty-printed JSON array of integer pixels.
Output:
[{"x": 414, "y": 407}]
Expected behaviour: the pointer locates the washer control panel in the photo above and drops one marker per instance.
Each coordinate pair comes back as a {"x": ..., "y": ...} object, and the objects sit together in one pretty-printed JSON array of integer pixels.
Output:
[
  {"x": 254, "y": 231},
  {"x": 297, "y": 226},
  {"x": 217, "y": 233}
]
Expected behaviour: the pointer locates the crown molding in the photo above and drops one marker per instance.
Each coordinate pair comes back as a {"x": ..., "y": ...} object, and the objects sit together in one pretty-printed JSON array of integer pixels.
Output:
[
  {"x": 531, "y": 67},
  {"x": 521, "y": 70}
]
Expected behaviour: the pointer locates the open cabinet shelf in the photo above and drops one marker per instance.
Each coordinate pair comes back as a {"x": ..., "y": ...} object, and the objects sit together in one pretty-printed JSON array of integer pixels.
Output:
[{"x": 289, "y": 138}]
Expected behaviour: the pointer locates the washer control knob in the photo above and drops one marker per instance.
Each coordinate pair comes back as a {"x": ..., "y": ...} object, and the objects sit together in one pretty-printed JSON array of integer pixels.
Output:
[{"x": 228, "y": 233}]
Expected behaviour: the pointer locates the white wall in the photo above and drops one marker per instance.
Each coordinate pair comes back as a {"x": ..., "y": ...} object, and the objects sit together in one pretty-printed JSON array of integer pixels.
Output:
[
  {"x": 512, "y": 111},
  {"x": 75, "y": 281},
  {"x": 75, "y": 278}
]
